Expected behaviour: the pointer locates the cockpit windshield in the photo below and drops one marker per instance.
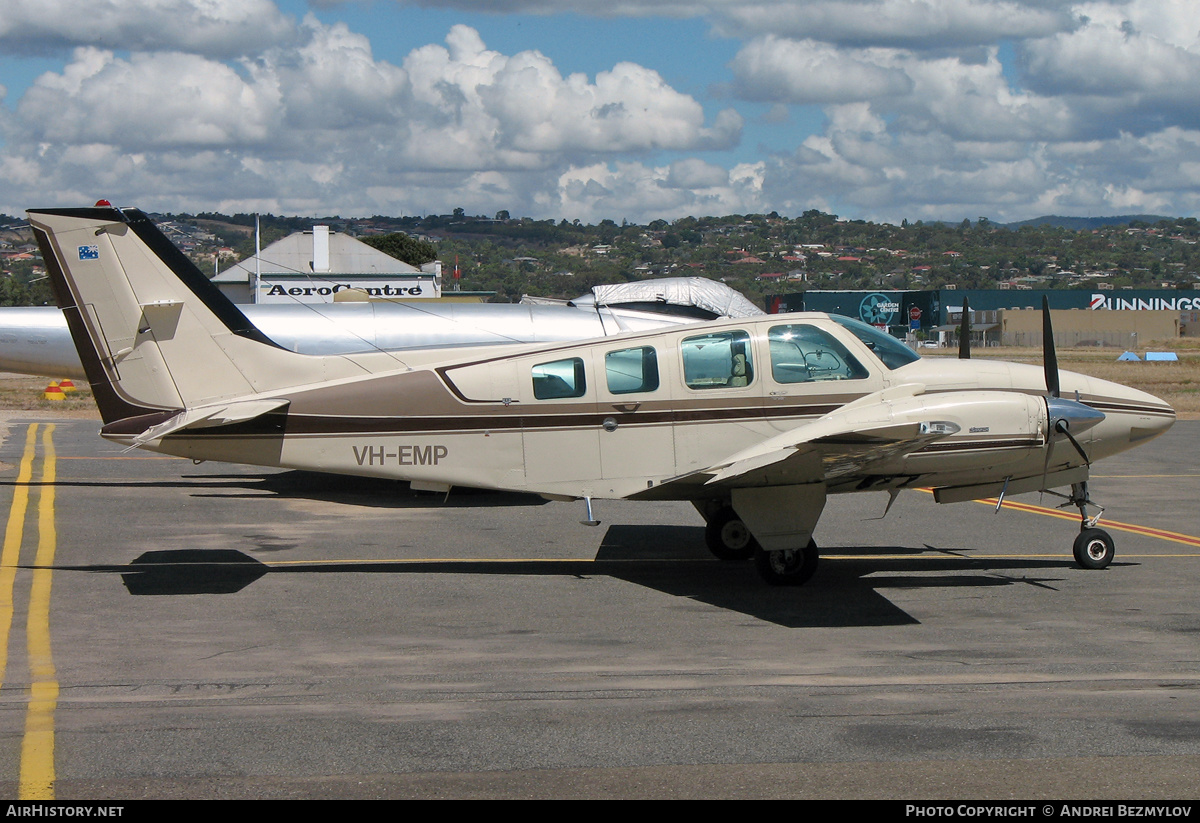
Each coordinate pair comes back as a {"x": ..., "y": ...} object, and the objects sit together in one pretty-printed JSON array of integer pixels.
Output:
[{"x": 891, "y": 351}]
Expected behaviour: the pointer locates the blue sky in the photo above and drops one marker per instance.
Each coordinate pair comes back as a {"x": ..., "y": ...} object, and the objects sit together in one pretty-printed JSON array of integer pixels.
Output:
[{"x": 591, "y": 109}]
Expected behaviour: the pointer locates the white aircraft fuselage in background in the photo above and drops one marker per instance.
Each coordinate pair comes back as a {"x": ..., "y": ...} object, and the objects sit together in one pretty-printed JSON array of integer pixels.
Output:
[{"x": 35, "y": 340}]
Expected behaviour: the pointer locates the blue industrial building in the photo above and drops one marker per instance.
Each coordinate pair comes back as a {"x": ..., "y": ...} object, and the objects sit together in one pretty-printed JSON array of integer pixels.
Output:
[{"x": 902, "y": 311}]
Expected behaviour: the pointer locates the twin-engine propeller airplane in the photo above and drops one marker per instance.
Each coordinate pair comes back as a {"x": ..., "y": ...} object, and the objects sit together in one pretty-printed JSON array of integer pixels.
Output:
[{"x": 755, "y": 421}]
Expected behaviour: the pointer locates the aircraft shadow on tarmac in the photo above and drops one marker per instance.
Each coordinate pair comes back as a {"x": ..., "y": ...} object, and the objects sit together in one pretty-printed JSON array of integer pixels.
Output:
[
  {"x": 848, "y": 590},
  {"x": 331, "y": 488},
  {"x": 360, "y": 491}
]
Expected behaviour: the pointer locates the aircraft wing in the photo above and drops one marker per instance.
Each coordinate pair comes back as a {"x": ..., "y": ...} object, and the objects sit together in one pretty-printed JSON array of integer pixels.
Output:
[
  {"x": 217, "y": 414},
  {"x": 823, "y": 451},
  {"x": 874, "y": 435},
  {"x": 778, "y": 487}
]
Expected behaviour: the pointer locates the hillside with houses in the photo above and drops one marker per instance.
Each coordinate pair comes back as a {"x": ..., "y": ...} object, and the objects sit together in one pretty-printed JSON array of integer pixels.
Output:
[{"x": 754, "y": 254}]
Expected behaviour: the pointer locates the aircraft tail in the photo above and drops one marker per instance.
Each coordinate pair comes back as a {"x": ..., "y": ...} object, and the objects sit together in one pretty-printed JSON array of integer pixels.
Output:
[{"x": 154, "y": 335}]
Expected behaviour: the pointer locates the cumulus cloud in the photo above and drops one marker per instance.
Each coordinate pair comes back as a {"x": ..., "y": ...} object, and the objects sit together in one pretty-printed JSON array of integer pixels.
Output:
[
  {"x": 965, "y": 98},
  {"x": 899, "y": 108},
  {"x": 860, "y": 165},
  {"x": 332, "y": 81},
  {"x": 1131, "y": 60},
  {"x": 920, "y": 24},
  {"x": 909, "y": 23},
  {"x": 518, "y": 106},
  {"x": 446, "y": 106},
  {"x": 221, "y": 28},
  {"x": 694, "y": 173},
  {"x": 312, "y": 120},
  {"x": 777, "y": 69},
  {"x": 974, "y": 101},
  {"x": 148, "y": 101},
  {"x": 592, "y": 8},
  {"x": 593, "y": 193}
]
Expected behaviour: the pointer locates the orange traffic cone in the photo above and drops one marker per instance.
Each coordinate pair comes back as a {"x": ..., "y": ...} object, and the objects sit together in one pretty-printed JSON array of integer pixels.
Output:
[
  {"x": 54, "y": 392},
  {"x": 67, "y": 386}
]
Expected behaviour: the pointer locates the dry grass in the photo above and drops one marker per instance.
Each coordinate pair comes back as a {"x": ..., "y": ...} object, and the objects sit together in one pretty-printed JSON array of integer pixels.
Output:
[{"x": 19, "y": 392}]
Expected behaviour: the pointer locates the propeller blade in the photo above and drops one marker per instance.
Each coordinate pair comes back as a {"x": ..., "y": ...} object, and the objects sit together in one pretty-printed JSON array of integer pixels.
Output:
[
  {"x": 1049, "y": 358},
  {"x": 964, "y": 332}
]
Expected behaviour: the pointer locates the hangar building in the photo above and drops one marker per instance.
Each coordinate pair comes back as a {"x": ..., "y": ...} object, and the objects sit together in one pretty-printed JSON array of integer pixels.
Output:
[{"x": 314, "y": 266}]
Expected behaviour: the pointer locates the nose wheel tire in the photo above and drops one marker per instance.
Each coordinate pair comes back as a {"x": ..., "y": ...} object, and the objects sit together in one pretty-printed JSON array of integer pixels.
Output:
[
  {"x": 728, "y": 538},
  {"x": 791, "y": 567},
  {"x": 1094, "y": 549}
]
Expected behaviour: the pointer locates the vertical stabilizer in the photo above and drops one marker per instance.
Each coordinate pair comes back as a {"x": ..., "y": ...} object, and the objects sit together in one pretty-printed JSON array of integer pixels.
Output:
[{"x": 154, "y": 335}]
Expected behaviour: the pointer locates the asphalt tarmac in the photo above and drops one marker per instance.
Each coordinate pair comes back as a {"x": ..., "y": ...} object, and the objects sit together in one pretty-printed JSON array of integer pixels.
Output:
[{"x": 214, "y": 631}]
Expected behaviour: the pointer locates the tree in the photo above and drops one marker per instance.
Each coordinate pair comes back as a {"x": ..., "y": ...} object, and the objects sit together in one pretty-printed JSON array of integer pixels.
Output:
[{"x": 402, "y": 247}]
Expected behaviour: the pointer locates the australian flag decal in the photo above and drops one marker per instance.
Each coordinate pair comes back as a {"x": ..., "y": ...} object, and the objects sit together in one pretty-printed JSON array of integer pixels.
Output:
[{"x": 89, "y": 252}]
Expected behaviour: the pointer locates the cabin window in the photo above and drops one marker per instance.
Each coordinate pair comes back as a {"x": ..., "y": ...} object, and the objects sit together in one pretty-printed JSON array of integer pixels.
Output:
[
  {"x": 631, "y": 370},
  {"x": 561, "y": 378},
  {"x": 718, "y": 360},
  {"x": 801, "y": 353}
]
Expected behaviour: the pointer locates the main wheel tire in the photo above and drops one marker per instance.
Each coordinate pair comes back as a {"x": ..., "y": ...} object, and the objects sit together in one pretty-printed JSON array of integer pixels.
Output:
[
  {"x": 728, "y": 538},
  {"x": 1094, "y": 549},
  {"x": 791, "y": 567}
]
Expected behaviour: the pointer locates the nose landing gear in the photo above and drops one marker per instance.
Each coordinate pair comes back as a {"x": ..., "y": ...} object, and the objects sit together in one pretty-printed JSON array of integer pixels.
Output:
[{"x": 1094, "y": 548}]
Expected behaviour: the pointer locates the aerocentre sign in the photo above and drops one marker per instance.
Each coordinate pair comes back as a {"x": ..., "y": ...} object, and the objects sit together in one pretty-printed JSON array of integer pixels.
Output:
[{"x": 273, "y": 289}]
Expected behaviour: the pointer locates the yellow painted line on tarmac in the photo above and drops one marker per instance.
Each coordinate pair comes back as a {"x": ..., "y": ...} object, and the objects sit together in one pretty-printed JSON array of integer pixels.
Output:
[
  {"x": 464, "y": 560},
  {"x": 37, "y": 775},
  {"x": 1116, "y": 525},
  {"x": 37, "y": 746},
  {"x": 14, "y": 533},
  {"x": 128, "y": 457}
]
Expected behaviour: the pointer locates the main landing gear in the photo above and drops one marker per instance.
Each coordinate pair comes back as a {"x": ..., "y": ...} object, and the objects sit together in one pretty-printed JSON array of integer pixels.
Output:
[
  {"x": 791, "y": 567},
  {"x": 728, "y": 539},
  {"x": 727, "y": 536},
  {"x": 1094, "y": 548}
]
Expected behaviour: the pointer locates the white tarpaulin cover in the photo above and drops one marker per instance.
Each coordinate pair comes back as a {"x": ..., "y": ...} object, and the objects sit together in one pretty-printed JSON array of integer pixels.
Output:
[{"x": 676, "y": 291}]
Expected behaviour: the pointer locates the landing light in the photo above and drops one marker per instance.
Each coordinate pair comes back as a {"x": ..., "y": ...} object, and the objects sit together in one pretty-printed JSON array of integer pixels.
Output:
[{"x": 939, "y": 427}]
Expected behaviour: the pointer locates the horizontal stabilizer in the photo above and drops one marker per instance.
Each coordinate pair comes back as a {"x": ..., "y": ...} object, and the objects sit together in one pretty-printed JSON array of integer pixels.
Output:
[{"x": 203, "y": 417}]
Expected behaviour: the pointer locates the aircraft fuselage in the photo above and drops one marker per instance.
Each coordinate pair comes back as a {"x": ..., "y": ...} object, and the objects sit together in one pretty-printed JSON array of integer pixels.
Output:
[{"x": 622, "y": 416}]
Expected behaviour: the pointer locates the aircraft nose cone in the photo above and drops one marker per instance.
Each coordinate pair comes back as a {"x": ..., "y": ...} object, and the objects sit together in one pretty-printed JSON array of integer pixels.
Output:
[
  {"x": 1162, "y": 421},
  {"x": 1134, "y": 417}
]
